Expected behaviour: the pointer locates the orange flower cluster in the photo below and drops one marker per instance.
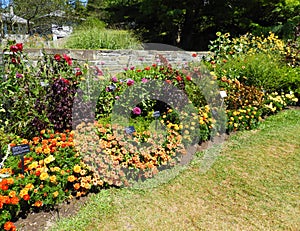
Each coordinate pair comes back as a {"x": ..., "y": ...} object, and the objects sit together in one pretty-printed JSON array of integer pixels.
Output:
[{"x": 111, "y": 156}]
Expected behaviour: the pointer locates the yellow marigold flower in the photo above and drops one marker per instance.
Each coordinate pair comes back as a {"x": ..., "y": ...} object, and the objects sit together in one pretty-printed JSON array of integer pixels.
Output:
[
  {"x": 235, "y": 125},
  {"x": 29, "y": 186},
  {"x": 77, "y": 168},
  {"x": 23, "y": 192},
  {"x": 55, "y": 194},
  {"x": 33, "y": 165},
  {"x": 44, "y": 176},
  {"x": 49, "y": 159},
  {"x": 38, "y": 150},
  {"x": 12, "y": 193},
  {"x": 53, "y": 179},
  {"x": 47, "y": 151}
]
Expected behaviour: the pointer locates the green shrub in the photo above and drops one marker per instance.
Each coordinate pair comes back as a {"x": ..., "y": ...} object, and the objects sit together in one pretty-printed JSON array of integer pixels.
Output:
[{"x": 266, "y": 71}]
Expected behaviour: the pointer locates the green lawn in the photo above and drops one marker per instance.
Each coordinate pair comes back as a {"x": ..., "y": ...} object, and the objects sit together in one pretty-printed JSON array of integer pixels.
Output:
[{"x": 253, "y": 185}]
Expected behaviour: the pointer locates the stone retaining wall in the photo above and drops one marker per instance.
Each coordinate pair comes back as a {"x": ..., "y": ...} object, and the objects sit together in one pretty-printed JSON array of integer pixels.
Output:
[{"x": 117, "y": 60}]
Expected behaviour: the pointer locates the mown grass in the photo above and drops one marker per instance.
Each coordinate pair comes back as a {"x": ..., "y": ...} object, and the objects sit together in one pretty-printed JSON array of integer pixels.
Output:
[{"x": 253, "y": 185}]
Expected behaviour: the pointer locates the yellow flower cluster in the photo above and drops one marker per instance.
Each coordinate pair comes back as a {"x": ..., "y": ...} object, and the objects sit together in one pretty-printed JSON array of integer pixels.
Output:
[{"x": 252, "y": 44}]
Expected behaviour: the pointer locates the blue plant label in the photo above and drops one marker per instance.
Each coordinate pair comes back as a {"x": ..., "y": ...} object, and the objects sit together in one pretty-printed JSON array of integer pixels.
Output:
[
  {"x": 112, "y": 87},
  {"x": 20, "y": 149},
  {"x": 129, "y": 130},
  {"x": 156, "y": 114}
]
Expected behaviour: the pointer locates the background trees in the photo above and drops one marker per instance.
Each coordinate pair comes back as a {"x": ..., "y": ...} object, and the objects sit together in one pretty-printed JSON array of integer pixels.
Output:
[{"x": 188, "y": 24}]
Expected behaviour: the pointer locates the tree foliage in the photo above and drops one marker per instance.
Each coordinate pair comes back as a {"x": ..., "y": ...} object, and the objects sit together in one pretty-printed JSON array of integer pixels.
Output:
[{"x": 191, "y": 24}]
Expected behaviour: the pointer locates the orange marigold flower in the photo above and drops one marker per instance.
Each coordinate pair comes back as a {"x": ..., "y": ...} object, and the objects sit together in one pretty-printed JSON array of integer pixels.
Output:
[
  {"x": 42, "y": 132},
  {"x": 10, "y": 180},
  {"x": 36, "y": 140},
  {"x": 71, "y": 178},
  {"x": 24, "y": 141},
  {"x": 38, "y": 203},
  {"x": 76, "y": 186},
  {"x": 9, "y": 226},
  {"x": 14, "y": 200}
]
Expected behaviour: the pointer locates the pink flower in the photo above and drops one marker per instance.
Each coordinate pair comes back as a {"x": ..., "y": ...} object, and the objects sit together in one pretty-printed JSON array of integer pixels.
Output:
[
  {"x": 18, "y": 75},
  {"x": 132, "y": 68},
  {"x": 144, "y": 80},
  {"x": 114, "y": 79},
  {"x": 14, "y": 48},
  {"x": 130, "y": 82},
  {"x": 136, "y": 111}
]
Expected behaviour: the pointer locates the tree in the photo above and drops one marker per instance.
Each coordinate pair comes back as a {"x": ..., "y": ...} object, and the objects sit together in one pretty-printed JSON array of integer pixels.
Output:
[
  {"x": 190, "y": 24},
  {"x": 44, "y": 13}
]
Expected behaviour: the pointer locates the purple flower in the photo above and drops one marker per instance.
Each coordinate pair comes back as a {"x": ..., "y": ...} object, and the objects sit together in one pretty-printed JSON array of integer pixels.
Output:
[
  {"x": 130, "y": 82},
  {"x": 144, "y": 80},
  {"x": 136, "y": 111},
  {"x": 18, "y": 75},
  {"x": 114, "y": 79}
]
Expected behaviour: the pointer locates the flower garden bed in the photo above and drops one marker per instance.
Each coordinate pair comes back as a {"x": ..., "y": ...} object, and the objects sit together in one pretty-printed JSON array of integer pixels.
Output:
[{"x": 126, "y": 137}]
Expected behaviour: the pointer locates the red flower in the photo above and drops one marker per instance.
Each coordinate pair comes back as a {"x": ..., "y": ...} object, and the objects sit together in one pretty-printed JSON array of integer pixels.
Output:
[
  {"x": 130, "y": 82},
  {"x": 26, "y": 197},
  {"x": 154, "y": 65},
  {"x": 179, "y": 78},
  {"x": 168, "y": 81},
  {"x": 188, "y": 78},
  {"x": 38, "y": 173},
  {"x": 57, "y": 57},
  {"x": 65, "y": 81},
  {"x": 14, "y": 48},
  {"x": 147, "y": 68},
  {"x": 19, "y": 46},
  {"x": 4, "y": 187},
  {"x": 9, "y": 226},
  {"x": 194, "y": 55},
  {"x": 68, "y": 59},
  {"x": 13, "y": 60},
  {"x": 78, "y": 73}
]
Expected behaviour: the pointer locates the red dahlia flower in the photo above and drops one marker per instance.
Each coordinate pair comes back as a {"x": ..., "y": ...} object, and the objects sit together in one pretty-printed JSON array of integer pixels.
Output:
[{"x": 19, "y": 46}]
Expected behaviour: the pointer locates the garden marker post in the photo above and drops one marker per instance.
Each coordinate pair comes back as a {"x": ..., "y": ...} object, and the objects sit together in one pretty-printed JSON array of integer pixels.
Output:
[
  {"x": 223, "y": 95},
  {"x": 156, "y": 114},
  {"x": 21, "y": 150}
]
